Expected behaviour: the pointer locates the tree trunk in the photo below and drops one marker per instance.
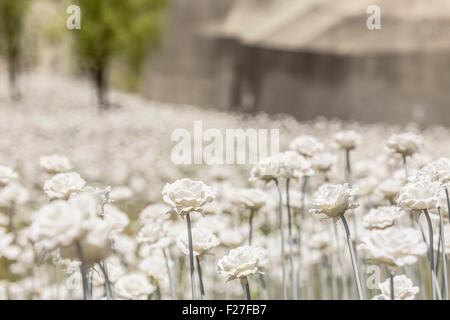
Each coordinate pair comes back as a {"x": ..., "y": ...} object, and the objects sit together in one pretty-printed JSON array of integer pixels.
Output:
[
  {"x": 14, "y": 91},
  {"x": 101, "y": 85}
]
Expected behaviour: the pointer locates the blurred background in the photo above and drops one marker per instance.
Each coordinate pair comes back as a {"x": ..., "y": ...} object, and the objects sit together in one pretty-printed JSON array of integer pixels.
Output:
[{"x": 306, "y": 58}]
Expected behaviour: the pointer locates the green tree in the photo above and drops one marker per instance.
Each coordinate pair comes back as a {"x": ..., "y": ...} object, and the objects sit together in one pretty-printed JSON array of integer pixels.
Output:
[
  {"x": 111, "y": 30},
  {"x": 12, "y": 18}
]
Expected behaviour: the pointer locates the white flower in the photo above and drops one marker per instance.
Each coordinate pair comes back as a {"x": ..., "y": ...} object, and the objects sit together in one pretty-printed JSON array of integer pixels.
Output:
[
  {"x": 381, "y": 218},
  {"x": 232, "y": 238},
  {"x": 118, "y": 219},
  {"x": 63, "y": 185},
  {"x": 403, "y": 289},
  {"x": 133, "y": 287},
  {"x": 55, "y": 163},
  {"x": 267, "y": 169},
  {"x": 295, "y": 165},
  {"x": 347, "y": 140},
  {"x": 333, "y": 200},
  {"x": 393, "y": 246},
  {"x": 186, "y": 196},
  {"x": 306, "y": 145},
  {"x": 203, "y": 241},
  {"x": 155, "y": 234},
  {"x": 323, "y": 162},
  {"x": 154, "y": 266},
  {"x": 242, "y": 262},
  {"x": 440, "y": 168},
  {"x": 419, "y": 195},
  {"x": 7, "y": 247},
  {"x": 60, "y": 223},
  {"x": 389, "y": 189},
  {"x": 13, "y": 194},
  {"x": 121, "y": 193},
  {"x": 153, "y": 213},
  {"x": 6, "y": 175},
  {"x": 405, "y": 144},
  {"x": 253, "y": 199}
]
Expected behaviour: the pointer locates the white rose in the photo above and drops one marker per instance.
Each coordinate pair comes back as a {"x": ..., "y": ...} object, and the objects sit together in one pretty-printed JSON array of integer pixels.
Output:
[
  {"x": 347, "y": 140},
  {"x": 153, "y": 213},
  {"x": 186, "y": 196},
  {"x": 419, "y": 195},
  {"x": 203, "y": 241},
  {"x": 63, "y": 185},
  {"x": 6, "y": 175},
  {"x": 267, "y": 169},
  {"x": 306, "y": 145},
  {"x": 13, "y": 194},
  {"x": 405, "y": 144},
  {"x": 393, "y": 246},
  {"x": 242, "y": 262},
  {"x": 55, "y": 163},
  {"x": 133, "y": 287},
  {"x": 295, "y": 165},
  {"x": 403, "y": 289},
  {"x": 333, "y": 200},
  {"x": 155, "y": 234},
  {"x": 381, "y": 218},
  {"x": 253, "y": 199},
  {"x": 324, "y": 161}
]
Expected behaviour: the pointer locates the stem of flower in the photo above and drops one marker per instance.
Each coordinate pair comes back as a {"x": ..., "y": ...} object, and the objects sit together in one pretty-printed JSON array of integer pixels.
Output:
[
  {"x": 404, "y": 165},
  {"x": 246, "y": 287},
  {"x": 250, "y": 232},
  {"x": 448, "y": 202},
  {"x": 391, "y": 278},
  {"x": 291, "y": 254},
  {"x": 199, "y": 271},
  {"x": 169, "y": 274},
  {"x": 348, "y": 171},
  {"x": 191, "y": 255},
  {"x": 83, "y": 271},
  {"x": 444, "y": 257},
  {"x": 283, "y": 263},
  {"x": 431, "y": 253},
  {"x": 352, "y": 255},
  {"x": 108, "y": 288},
  {"x": 263, "y": 286}
]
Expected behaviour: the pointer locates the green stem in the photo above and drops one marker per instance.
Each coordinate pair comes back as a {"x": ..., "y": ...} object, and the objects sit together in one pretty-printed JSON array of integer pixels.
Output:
[
  {"x": 444, "y": 257},
  {"x": 431, "y": 253},
  {"x": 283, "y": 263},
  {"x": 199, "y": 271},
  {"x": 291, "y": 254},
  {"x": 250, "y": 232},
  {"x": 191, "y": 255},
  {"x": 352, "y": 256}
]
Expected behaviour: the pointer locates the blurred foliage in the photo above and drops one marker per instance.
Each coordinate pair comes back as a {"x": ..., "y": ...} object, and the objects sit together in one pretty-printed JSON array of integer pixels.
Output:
[
  {"x": 117, "y": 30},
  {"x": 12, "y": 16}
]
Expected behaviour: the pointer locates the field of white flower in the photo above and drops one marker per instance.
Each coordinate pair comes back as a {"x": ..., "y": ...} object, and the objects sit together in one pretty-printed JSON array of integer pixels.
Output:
[{"x": 92, "y": 207}]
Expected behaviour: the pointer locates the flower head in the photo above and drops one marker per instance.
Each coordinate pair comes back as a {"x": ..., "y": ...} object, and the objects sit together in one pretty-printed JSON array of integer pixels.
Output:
[
  {"x": 419, "y": 195},
  {"x": 306, "y": 145},
  {"x": 253, "y": 199},
  {"x": 403, "y": 289},
  {"x": 55, "y": 163},
  {"x": 382, "y": 217},
  {"x": 133, "y": 287},
  {"x": 63, "y": 185},
  {"x": 405, "y": 144},
  {"x": 267, "y": 169},
  {"x": 185, "y": 196},
  {"x": 203, "y": 241},
  {"x": 6, "y": 175},
  {"x": 333, "y": 200},
  {"x": 242, "y": 262},
  {"x": 347, "y": 140}
]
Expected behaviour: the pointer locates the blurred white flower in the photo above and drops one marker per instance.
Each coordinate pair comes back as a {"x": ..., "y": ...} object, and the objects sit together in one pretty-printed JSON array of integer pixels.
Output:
[
  {"x": 294, "y": 165},
  {"x": 186, "y": 196},
  {"x": 13, "y": 194},
  {"x": 381, "y": 217},
  {"x": 153, "y": 213},
  {"x": 154, "y": 267},
  {"x": 203, "y": 241},
  {"x": 333, "y": 200},
  {"x": 267, "y": 169},
  {"x": 405, "y": 144},
  {"x": 347, "y": 140},
  {"x": 389, "y": 189},
  {"x": 403, "y": 289},
  {"x": 394, "y": 246},
  {"x": 324, "y": 161},
  {"x": 7, "y": 247},
  {"x": 6, "y": 175},
  {"x": 306, "y": 146},
  {"x": 55, "y": 163},
  {"x": 155, "y": 234},
  {"x": 242, "y": 262},
  {"x": 253, "y": 199},
  {"x": 63, "y": 185},
  {"x": 121, "y": 193},
  {"x": 133, "y": 287}
]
